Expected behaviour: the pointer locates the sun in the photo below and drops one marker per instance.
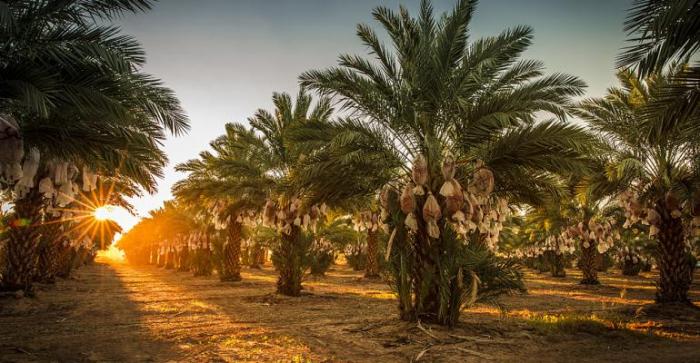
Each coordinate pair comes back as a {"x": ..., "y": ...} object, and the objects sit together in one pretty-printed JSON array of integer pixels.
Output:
[{"x": 105, "y": 212}]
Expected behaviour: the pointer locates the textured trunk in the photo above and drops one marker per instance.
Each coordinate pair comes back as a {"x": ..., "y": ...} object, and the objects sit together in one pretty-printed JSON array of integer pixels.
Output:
[
  {"x": 82, "y": 257},
  {"x": 49, "y": 252},
  {"x": 256, "y": 256},
  {"x": 372, "y": 268},
  {"x": 203, "y": 267},
  {"x": 290, "y": 269},
  {"x": 170, "y": 259},
  {"x": 587, "y": 264},
  {"x": 184, "y": 260},
  {"x": 161, "y": 260},
  {"x": 207, "y": 266},
  {"x": 675, "y": 273},
  {"x": 557, "y": 262},
  {"x": 426, "y": 302},
  {"x": 197, "y": 261},
  {"x": 602, "y": 263},
  {"x": 261, "y": 256},
  {"x": 66, "y": 255},
  {"x": 542, "y": 264},
  {"x": 231, "y": 254},
  {"x": 47, "y": 266},
  {"x": 22, "y": 242},
  {"x": 176, "y": 260},
  {"x": 631, "y": 269}
]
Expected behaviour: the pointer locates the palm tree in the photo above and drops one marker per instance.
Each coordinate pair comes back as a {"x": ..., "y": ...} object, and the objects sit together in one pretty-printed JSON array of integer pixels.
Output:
[
  {"x": 71, "y": 88},
  {"x": 211, "y": 184},
  {"x": 370, "y": 221},
  {"x": 665, "y": 32},
  {"x": 660, "y": 170},
  {"x": 589, "y": 196},
  {"x": 455, "y": 116},
  {"x": 249, "y": 171},
  {"x": 545, "y": 225},
  {"x": 79, "y": 220},
  {"x": 595, "y": 235}
]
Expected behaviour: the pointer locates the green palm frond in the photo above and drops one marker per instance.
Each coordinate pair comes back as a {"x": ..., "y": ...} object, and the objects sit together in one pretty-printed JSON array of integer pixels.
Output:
[{"x": 663, "y": 30}]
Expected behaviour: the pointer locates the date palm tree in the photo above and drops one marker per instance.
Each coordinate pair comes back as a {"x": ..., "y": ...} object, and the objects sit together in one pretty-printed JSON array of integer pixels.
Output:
[
  {"x": 211, "y": 183},
  {"x": 71, "y": 90},
  {"x": 249, "y": 171},
  {"x": 433, "y": 98},
  {"x": 544, "y": 225},
  {"x": 660, "y": 170},
  {"x": 662, "y": 33}
]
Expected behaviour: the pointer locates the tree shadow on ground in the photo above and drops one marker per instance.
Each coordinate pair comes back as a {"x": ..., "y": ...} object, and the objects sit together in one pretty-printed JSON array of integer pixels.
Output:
[
  {"x": 342, "y": 317},
  {"x": 84, "y": 319},
  {"x": 143, "y": 313}
]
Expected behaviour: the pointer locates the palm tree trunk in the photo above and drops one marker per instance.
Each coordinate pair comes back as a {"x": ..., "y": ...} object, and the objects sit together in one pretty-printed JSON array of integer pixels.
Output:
[
  {"x": 47, "y": 266},
  {"x": 82, "y": 257},
  {"x": 169, "y": 259},
  {"x": 426, "y": 303},
  {"x": 261, "y": 255},
  {"x": 152, "y": 256},
  {"x": 161, "y": 259},
  {"x": 256, "y": 256},
  {"x": 22, "y": 243},
  {"x": 631, "y": 269},
  {"x": 65, "y": 259},
  {"x": 197, "y": 257},
  {"x": 587, "y": 264},
  {"x": 184, "y": 260},
  {"x": 602, "y": 262},
  {"x": 49, "y": 252},
  {"x": 542, "y": 264},
  {"x": 372, "y": 269},
  {"x": 207, "y": 263},
  {"x": 231, "y": 254},
  {"x": 557, "y": 261},
  {"x": 290, "y": 267},
  {"x": 675, "y": 273}
]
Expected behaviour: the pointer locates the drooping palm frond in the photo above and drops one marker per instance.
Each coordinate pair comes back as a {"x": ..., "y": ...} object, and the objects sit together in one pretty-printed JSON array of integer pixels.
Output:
[
  {"x": 433, "y": 92},
  {"x": 664, "y": 31},
  {"x": 644, "y": 149},
  {"x": 73, "y": 83},
  {"x": 664, "y": 34},
  {"x": 433, "y": 88}
]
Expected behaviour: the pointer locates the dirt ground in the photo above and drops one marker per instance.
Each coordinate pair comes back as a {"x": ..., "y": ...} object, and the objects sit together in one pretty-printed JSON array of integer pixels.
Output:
[{"x": 114, "y": 312}]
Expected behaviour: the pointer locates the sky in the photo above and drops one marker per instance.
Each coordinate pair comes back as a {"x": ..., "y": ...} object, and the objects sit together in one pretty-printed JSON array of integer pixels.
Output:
[{"x": 225, "y": 58}]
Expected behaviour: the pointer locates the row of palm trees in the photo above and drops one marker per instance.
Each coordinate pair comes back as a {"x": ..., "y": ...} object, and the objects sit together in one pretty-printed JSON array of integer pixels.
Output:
[
  {"x": 438, "y": 143},
  {"x": 651, "y": 174},
  {"x": 441, "y": 141},
  {"x": 81, "y": 125}
]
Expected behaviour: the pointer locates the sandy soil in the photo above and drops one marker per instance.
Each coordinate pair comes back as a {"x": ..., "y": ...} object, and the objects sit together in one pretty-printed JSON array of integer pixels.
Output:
[{"x": 120, "y": 313}]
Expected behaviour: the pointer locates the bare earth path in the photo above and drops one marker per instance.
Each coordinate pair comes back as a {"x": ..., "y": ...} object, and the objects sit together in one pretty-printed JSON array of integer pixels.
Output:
[{"x": 119, "y": 313}]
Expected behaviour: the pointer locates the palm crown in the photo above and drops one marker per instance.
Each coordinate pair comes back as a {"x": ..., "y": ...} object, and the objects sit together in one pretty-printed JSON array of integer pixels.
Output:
[
  {"x": 661, "y": 171},
  {"x": 435, "y": 94},
  {"x": 649, "y": 162}
]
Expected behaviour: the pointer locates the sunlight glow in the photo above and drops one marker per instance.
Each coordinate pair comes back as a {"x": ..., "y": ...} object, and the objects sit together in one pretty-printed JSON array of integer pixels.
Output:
[
  {"x": 113, "y": 253},
  {"x": 105, "y": 212}
]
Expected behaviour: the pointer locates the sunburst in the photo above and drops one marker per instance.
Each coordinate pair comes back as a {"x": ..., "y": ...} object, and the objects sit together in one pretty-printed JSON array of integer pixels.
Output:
[
  {"x": 92, "y": 216},
  {"x": 105, "y": 212}
]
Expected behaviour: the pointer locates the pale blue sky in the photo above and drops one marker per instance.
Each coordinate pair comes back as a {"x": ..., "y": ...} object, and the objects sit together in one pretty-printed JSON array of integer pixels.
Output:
[{"x": 224, "y": 58}]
